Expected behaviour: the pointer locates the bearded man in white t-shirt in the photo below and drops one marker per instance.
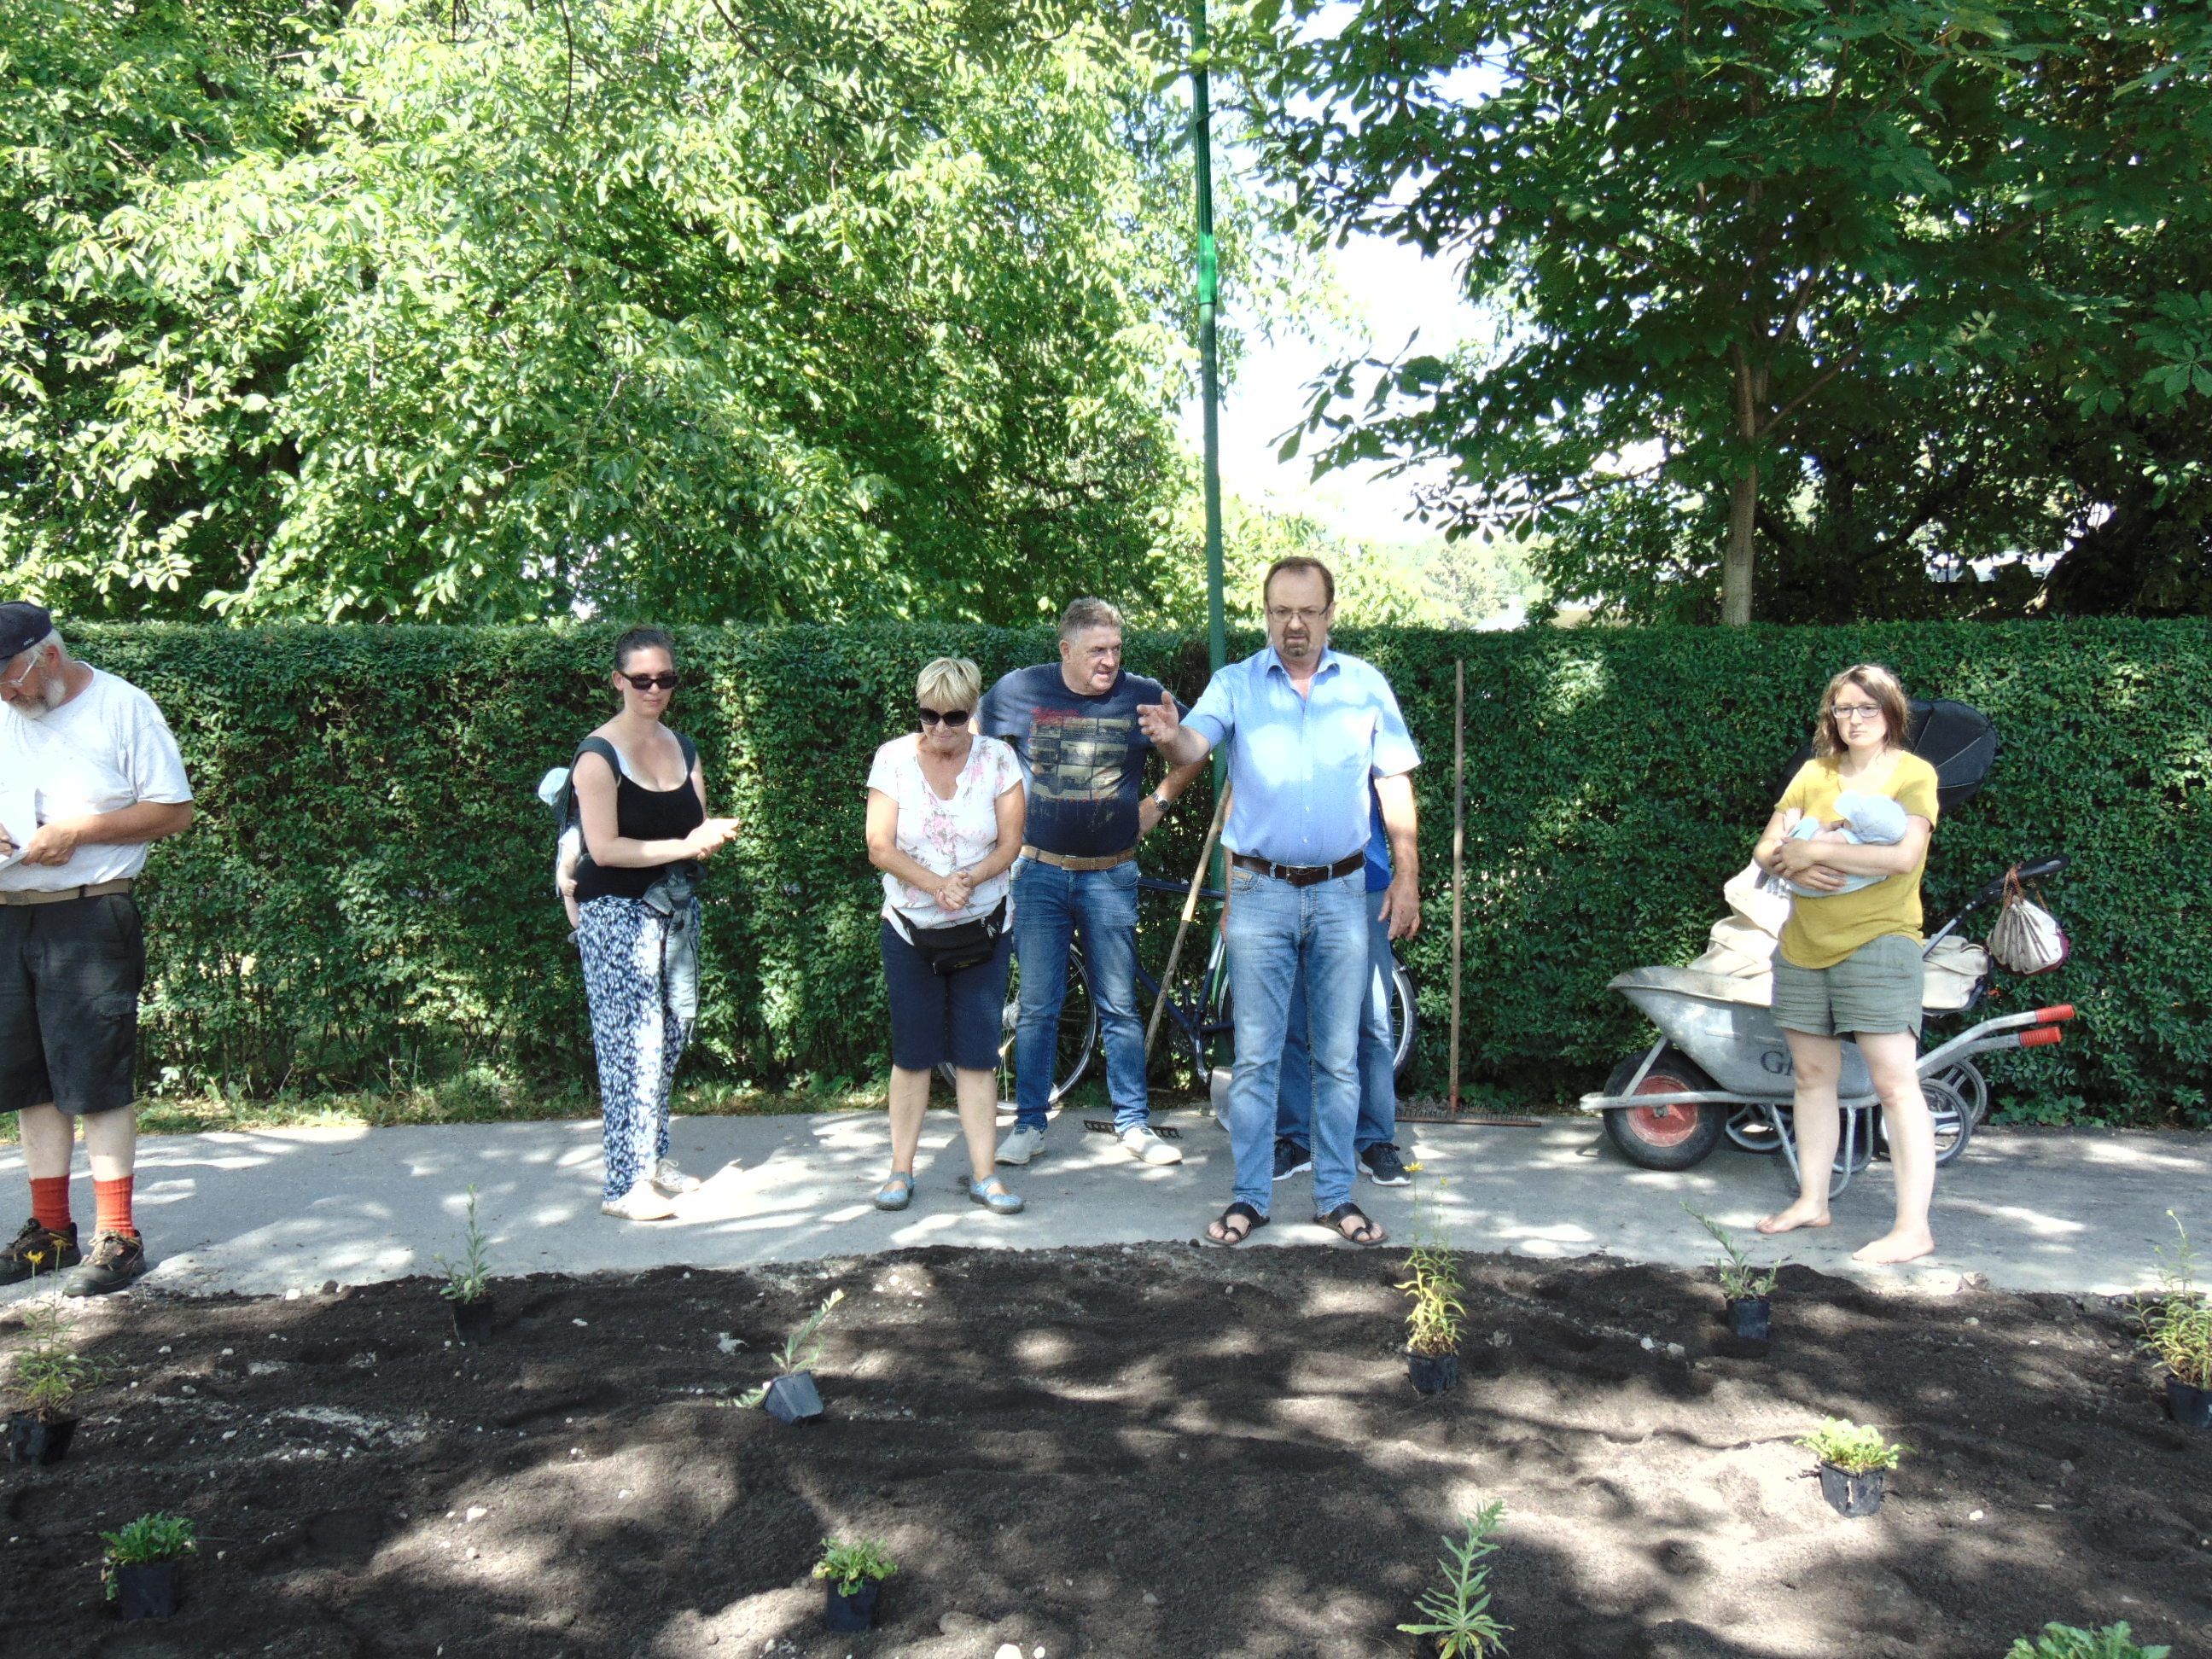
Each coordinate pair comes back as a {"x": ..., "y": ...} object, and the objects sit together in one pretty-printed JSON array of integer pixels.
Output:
[{"x": 90, "y": 774}]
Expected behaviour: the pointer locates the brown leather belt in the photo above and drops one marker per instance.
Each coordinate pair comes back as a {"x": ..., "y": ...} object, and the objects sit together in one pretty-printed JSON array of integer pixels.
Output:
[
  {"x": 96, "y": 890},
  {"x": 1301, "y": 875},
  {"x": 1066, "y": 861}
]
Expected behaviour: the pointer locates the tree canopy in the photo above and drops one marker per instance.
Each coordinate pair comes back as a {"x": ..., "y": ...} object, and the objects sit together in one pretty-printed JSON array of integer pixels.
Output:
[
  {"x": 714, "y": 309},
  {"x": 1813, "y": 303}
]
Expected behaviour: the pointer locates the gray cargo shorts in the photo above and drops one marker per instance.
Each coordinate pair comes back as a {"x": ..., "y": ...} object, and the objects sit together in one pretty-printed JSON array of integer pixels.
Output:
[{"x": 1875, "y": 989}]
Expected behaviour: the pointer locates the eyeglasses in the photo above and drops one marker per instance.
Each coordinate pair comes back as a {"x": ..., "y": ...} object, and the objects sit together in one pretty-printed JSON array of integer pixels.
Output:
[
  {"x": 16, "y": 685},
  {"x": 955, "y": 717},
  {"x": 667, "y": 682},
  {"x": 1279, "y": 613},
  {"x": 1857, "y": 711}
]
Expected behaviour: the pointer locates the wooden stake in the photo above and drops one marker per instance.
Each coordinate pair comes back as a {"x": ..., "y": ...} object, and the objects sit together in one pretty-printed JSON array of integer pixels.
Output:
[
  {"x": 1190, "y": 910},
  {"x": 1459, "y": 849}
]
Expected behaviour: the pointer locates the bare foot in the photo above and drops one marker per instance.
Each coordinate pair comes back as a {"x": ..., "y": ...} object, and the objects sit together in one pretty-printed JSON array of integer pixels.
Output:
[
  {"x": 1903, "y": 1245},
  {"x": 1789, "y": 1220}
]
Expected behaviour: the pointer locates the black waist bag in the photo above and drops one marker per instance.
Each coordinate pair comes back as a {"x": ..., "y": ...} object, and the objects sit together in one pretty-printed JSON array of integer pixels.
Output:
[{"x": 965, "y": 944}]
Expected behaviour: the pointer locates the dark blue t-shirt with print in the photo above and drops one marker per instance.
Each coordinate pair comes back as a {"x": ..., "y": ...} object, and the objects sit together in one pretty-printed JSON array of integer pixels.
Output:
[{"x": 1084, "y": 756}]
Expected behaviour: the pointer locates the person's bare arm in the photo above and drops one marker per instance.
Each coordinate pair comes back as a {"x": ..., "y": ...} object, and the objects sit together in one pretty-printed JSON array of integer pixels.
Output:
[
  {"x": 1172, "y": 786},
  {"x": 593, "y": 781},
  {"x": 1401, "y": 899},
  {"x": 1177, "y": 742},
  {"x": 127, "y": 826},
  {"x": 1013, "y": 808},
  {"x": 1870, "y": 859}
]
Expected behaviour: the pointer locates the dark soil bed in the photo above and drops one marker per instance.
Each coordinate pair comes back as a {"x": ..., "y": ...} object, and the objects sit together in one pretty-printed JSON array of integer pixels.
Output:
[{"x": 1111, "y": 1452}]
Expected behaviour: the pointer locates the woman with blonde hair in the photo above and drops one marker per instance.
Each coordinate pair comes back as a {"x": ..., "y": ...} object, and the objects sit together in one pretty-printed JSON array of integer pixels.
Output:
[
  {"x": 1849, "y": 960},
  {"x": 946, "y": 810}
]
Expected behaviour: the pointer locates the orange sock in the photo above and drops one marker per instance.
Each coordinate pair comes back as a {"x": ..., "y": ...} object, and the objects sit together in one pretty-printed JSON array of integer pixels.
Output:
[
  {"x": 49, "y": 1202},
  {"x": 112, "y": 1205}
]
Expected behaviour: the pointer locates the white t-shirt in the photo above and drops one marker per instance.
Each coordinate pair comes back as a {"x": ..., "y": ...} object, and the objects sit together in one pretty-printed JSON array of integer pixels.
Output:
[
  {"x": 105, "y": 748},
  {"x": 945, "y": 835}
]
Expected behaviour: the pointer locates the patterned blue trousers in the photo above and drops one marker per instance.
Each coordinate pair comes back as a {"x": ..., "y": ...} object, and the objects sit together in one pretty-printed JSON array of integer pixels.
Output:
[{"x": 636, "y": 1032}]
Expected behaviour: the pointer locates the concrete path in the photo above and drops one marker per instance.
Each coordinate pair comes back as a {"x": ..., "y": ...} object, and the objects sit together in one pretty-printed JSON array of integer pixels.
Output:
[{"x": 288, "y": 1210}]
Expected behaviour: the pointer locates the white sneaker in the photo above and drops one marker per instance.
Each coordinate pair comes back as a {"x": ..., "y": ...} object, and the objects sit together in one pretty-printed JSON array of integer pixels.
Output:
[
  {"x": 671, "y": 1182},
  {"x": 1147, "y": 1147},
  {"x": 1021, "y": 1145},
  {"x": 640, "y": 1203}
]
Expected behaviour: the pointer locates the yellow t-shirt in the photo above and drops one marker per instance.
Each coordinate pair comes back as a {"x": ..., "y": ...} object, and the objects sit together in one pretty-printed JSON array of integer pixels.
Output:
[{"x": 1822, "y": 931}]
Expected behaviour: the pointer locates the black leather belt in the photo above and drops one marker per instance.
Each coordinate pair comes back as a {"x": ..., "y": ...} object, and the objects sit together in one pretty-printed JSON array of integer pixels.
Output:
[{"x": 1301, "y": 875}]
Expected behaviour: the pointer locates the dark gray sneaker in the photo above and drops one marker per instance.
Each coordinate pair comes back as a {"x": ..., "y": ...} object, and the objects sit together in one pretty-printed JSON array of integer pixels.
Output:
[
  {"x": 116, "y": 1260},
  {"x": 36, "y": 1252},
  {"x": 1291, "y": 1160},
  {"x": 1385, "y": 1166}
]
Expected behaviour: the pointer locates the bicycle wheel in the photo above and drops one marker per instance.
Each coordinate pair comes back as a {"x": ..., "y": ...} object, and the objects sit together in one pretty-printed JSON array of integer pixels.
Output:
[
  {"x": 1076, "y": 1043},
  {"x": 1405, "y": 1019}
]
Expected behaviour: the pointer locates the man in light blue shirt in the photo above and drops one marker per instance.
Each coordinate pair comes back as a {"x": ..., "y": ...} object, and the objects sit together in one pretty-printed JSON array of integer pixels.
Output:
[{"x": 1309, "y": 732}]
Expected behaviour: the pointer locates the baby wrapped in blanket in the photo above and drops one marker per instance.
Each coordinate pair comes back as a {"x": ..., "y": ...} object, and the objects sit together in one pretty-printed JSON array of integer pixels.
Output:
[{"x": 1863, "y": 821}]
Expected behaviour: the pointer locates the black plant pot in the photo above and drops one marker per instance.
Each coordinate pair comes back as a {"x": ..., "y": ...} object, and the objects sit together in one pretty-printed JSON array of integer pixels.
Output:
[
  {"x": 794, "y": 1399},
  {"x": 1854, "y": 1495},
  {"x": 853, "y": 1611},
  {"x": 472, "y": 1319},
  {"x": 32, "y": 1439},
  {"x": 1432, "y": 1373},
  {"x": 1750, "y": 1318},
  {"x": 2191, "y": 1407},
  {"x": 145, "y": 1589}
]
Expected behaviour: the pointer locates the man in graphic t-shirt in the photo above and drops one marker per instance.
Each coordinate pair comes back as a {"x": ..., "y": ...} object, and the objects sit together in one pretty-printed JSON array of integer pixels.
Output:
[
  {"x": 1074, "y": 723},
  {"x": 89, "y": 775}
]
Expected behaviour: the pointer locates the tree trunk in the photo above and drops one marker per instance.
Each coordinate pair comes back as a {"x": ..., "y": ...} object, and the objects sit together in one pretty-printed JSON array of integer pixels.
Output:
[{"x": 1735, "y": 565}]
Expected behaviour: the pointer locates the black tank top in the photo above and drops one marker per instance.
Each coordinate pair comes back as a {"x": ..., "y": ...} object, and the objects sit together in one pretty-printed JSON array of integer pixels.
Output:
[{"x": 641, "y": 814}]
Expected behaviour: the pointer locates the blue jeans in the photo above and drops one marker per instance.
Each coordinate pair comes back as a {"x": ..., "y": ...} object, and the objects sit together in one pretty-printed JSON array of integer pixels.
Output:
[
  {"x": 1378, "y": 1084},
  {"x": 1050, "y": 904},
  {"x": 1278, "y": 934}
]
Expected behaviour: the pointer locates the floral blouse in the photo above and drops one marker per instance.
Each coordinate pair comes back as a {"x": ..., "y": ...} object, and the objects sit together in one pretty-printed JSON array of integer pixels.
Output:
[{"x": 945, "y": 835}]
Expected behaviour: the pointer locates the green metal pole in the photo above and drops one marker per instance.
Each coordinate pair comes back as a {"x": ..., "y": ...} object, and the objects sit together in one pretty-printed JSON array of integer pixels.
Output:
[{"x": 1209, "y": 362}]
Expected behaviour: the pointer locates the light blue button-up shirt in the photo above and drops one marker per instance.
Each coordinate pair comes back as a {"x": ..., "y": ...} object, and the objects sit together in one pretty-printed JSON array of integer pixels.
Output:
[{"x": 1301, "y": 766}]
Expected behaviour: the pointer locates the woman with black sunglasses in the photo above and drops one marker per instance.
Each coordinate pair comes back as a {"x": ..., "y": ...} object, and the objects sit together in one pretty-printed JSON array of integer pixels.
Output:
[
  {"x": 642, "y": 800},
  {"x": 945, "y": 810}
]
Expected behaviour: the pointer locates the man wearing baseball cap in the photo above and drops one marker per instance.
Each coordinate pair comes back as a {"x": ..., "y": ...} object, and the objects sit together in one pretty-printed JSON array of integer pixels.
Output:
[{"x": 89, "y": 775}]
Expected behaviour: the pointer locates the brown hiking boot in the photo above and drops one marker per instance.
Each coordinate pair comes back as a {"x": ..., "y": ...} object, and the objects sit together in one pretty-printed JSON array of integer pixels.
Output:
[
  {"x": 116, "y": 1260},
  {"x": 38, "y": 1251}
]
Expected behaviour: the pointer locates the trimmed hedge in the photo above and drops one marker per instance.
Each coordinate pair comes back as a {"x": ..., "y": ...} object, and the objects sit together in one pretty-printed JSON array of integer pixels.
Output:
[{"x": 366, "y": 899}]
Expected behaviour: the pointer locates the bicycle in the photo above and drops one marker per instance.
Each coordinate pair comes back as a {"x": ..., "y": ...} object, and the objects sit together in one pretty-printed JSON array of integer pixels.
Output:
[{"x": 1197, "y": 1032}]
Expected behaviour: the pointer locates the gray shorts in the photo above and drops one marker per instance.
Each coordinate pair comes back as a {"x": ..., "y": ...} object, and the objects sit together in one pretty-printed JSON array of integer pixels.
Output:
[
  {"x": 70, "y": 975},
  {"x": 1875, "y": 989}
]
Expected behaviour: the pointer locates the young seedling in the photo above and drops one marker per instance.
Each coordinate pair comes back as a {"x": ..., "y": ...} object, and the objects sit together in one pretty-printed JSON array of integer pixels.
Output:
[
  {"x": 1844, "y": 1444},
  {"x": 1458, "y": 1615},
  {"x": 1437, "y": 1316},
  {"x": 2177, "y": 1322},
  {"x": 139, "y": 1564},
  {"x": 1740, "y": 1280},
  {"x": 2066, "y": 1641},
  {"x": 49, "y": 1373},
  {"x": 801, "y": 1350},
  {"x": 849, "y": 1566},
  {"x": 469, "y": 1279}
]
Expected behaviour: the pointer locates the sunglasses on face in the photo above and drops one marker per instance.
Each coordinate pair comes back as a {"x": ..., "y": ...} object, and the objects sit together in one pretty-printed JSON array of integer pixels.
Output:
[
  {"x": 654, "y": 682},
  {"x": 955, "y": 717}
]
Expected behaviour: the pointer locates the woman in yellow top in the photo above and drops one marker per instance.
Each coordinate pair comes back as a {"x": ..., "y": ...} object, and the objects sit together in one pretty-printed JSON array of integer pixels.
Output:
[{"x": 1850, "y": 962}]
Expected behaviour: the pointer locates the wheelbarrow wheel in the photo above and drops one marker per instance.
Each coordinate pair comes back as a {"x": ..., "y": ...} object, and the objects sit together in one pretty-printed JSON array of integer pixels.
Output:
[{"x": 1663, "y": 1136}]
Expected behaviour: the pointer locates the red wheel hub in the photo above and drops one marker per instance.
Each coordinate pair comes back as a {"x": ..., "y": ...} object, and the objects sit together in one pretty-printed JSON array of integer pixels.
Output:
[{"x": 1659, "y": 1124}]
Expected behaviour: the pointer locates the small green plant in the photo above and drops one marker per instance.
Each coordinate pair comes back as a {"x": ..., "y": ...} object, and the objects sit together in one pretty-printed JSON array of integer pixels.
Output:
[
  {"x": 851, "y": 1565},
  {"x": 2065, "y": 1641},
  {"x": 800, "y": 1349},
  {"x": 470, "y": 1278},
  {"x": 1458, "y": 1615},
  {"x": 1437, "y": 1316},
  {"x": 149, "y": 1539},
  {"x": 1853, "y": 1450},
  {"x": 1740, "y": 1280},
  {"x": 2177, "y": 1322},
  {"x": 49, "y": 1373}
]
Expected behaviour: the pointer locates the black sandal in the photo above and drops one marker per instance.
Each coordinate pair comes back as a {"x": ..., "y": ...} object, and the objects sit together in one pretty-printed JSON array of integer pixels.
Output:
[
  {"x": 1366, "y": 1233},
  {"x": 1254, "y": 1221}
]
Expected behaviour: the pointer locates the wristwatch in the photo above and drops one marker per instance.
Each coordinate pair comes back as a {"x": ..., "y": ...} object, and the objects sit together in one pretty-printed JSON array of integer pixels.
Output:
[{"x": 1163, "y": 802}]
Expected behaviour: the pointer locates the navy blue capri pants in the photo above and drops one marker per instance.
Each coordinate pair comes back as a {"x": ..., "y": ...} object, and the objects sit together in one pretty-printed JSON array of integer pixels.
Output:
[{"x": 956, "y": 1019}]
